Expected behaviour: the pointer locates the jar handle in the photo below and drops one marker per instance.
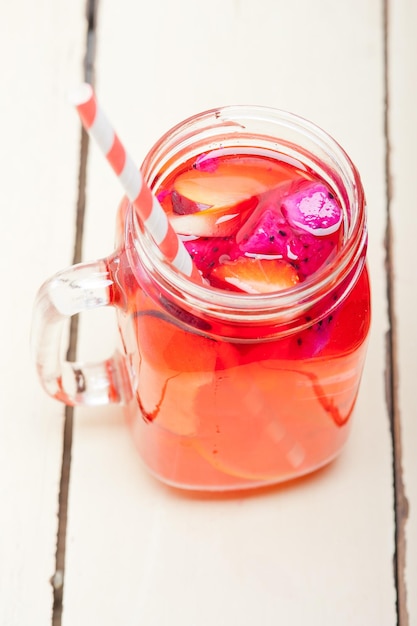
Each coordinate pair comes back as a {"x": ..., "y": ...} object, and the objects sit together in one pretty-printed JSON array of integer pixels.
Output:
[{"x": 79, "y": 288}]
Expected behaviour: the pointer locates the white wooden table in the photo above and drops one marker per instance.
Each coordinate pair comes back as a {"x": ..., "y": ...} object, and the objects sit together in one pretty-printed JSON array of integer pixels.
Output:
[{"x": 86, "y": 535}]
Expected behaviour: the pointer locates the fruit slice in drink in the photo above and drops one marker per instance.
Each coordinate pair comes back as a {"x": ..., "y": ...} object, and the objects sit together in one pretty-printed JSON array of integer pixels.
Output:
[
  {"x": 216, "y": 203},
  {"x": 254, "y": 275}
]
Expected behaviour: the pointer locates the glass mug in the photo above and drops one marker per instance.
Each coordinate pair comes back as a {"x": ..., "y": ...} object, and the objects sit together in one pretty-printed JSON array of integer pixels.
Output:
[{"x": 222, "y": 389}]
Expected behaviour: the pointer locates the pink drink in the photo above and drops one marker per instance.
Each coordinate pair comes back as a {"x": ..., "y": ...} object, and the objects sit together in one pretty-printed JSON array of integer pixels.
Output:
[{"x": 223, "y": 404}]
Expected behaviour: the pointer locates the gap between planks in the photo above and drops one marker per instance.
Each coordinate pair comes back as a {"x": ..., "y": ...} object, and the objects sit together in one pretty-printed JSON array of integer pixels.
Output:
[
  {"x": 58, "y": 578},
  {"x": 392, "y": 377}
]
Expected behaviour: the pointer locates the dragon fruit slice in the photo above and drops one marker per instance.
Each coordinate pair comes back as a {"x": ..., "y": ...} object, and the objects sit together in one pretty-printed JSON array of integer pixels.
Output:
[
  {"x": 206, "y": 162},
  {"x": 308, "y": 253},
  {"x": 312, "y": 341},
  {"x": 270, "y": 235},
  {"x": 266, "y": 234},
  {"x": 266, "y": 231},
  {"x": 208, "y": 252},
  {"x": 313, "y": 209}
]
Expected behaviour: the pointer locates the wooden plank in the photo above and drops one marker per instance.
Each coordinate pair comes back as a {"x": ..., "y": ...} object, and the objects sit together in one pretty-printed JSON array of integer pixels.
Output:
[
  {"x": 41, "y": 51},
  {"x": 403, "y": 165},
  {"x": 319, "y": 551}
]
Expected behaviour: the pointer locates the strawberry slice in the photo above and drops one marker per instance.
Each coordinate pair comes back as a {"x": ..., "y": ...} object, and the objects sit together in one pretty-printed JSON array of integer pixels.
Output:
[
  {"x": 254, "y": 275},
  {"x": 209, "y": 203}
]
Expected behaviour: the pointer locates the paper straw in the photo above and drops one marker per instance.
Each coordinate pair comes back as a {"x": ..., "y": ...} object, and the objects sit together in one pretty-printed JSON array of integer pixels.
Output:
[{"x": 147, "y": 206}]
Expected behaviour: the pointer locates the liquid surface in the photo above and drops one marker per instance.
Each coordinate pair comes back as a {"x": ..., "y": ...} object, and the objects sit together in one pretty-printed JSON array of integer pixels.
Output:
[{"x": 253, "y": 223}]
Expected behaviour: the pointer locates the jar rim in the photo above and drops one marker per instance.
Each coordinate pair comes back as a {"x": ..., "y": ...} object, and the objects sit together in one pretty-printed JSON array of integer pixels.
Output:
[{"x": 228, "y": 304}]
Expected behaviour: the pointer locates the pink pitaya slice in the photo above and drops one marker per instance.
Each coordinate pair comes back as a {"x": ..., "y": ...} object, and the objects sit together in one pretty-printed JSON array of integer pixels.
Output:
[
  {"x": 206, "y": 162},
  {"x": 208, "y": 252},
  {"x": 267, "y": 234},
  {"x": 314, "y": 209},
  {"x": 308, "y": 253},
  {"x": 161, "y": 195},
  {"x": 311, "y": 342},
  {"x": 271, "y": 235}
]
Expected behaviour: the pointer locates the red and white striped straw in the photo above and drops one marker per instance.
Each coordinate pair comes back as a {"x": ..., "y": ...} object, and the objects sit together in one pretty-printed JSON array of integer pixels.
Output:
[{"x": 148, "y": 208}]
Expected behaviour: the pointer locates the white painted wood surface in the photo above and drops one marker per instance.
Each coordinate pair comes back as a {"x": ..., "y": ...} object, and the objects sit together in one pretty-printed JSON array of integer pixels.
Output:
[
  {"x": 403, "y": 135},
  {"x": 40, "y": 53},
  {"x": 319, "y": 551}
]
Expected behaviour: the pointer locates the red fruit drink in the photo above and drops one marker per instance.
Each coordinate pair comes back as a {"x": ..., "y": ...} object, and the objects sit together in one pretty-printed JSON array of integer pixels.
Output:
[{"x": 252, "y": 378}]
